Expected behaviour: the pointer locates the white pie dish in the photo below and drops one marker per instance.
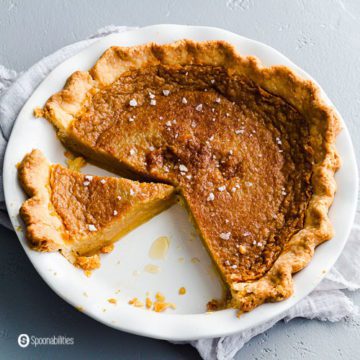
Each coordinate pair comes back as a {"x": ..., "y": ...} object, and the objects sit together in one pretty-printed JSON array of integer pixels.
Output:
[{"x": 189, "y": 321}]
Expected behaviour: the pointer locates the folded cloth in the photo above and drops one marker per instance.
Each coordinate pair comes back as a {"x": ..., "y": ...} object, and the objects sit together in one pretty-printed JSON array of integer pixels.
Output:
[{"x": 327, "y": 302}]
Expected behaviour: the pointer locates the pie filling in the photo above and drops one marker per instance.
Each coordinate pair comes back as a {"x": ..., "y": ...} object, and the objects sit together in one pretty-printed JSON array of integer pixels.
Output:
[
  {"x": 97, "y": 211},
  {"x": 239, "y": 155}
]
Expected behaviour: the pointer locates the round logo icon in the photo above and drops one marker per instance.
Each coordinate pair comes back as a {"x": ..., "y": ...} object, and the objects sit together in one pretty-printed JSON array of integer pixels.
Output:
[{"x": 23, "y": 340}]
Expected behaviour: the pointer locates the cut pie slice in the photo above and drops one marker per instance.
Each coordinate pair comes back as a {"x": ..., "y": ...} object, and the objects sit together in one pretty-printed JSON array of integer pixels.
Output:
[
  {"x": 251, "y": 150},
  {"x": 83, "y": 215}
]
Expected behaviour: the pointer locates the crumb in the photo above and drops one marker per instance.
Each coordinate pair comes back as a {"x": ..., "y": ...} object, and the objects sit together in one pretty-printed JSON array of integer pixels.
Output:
[
  {"x": 159, "y": 296},
  {"x": 76, "y": 164},
  {"x": 79, "y": 308},
  {"x": 136, "y": 302},
  {"x": 148, "y": 303},
  {"x": 112, "y": 301},
  {"x": 88, "y": 262},
  {"x": 38, "y": 112},
  {"x": 107, "y": 249},
  {"x": 162, "y": 306},
  {"x": 182, "y": 291}
]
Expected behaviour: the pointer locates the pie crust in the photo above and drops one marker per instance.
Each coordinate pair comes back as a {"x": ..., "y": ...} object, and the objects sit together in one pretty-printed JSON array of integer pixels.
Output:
[
  {"x": 278, "y": 90},
  {"x": 83, "y": 215}
]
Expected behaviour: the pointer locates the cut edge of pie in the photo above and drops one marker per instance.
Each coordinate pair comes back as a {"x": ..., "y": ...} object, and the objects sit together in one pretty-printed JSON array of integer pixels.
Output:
[
  {"x": 48, "y": 230},
  {"x": 304, "y": 95}
]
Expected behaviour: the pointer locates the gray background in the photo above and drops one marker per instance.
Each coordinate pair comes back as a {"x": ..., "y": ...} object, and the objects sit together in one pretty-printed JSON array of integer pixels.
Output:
[{"x": 323, "y": 37}]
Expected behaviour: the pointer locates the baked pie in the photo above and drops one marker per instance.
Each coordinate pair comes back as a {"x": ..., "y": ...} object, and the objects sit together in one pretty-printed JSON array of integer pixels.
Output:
[
  {"x": 250, "y": 150},
  {"x": 82, "y": 215}
]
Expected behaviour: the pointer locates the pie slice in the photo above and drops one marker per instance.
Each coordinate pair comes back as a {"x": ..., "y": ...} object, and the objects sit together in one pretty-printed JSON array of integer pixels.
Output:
[
  {"x": 83, "y": 215},
  {"x": 251, "y": 150}
]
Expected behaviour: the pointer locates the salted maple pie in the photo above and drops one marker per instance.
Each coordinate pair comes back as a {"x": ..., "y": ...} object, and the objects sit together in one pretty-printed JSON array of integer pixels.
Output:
[{"x": 249, "y": 149}]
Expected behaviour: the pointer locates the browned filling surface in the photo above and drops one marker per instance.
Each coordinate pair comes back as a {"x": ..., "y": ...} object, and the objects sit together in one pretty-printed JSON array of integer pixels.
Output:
[
  {"x": 88, "y": 204},
  {"x": 239, "y": 155}
]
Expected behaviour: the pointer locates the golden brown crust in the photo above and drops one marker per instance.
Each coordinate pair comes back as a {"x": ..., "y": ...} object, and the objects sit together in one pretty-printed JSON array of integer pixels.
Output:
[
  {"x": 64, "y": 212},
  {"x": 43, "y": 226},
  {"x": 278, "y": 80}
]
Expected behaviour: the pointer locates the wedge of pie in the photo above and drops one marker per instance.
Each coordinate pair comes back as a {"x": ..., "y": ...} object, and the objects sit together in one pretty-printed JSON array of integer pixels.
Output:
[
  {"x": 249, "y": 148},
  {"x": 82, "y": 215}
]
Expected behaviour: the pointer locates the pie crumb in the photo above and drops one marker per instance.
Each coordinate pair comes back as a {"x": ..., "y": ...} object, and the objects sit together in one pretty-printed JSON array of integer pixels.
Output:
[
  {"x": 182, "y": 291},
  {"x": 107, "y": 249},
  {"x": 136, "y": 302},
  {"x": 112, "y": 301},
  {"x": 75, "y": 163},
  {"x": 38, "y": 112},
  {"x": 148, "y": 303}
]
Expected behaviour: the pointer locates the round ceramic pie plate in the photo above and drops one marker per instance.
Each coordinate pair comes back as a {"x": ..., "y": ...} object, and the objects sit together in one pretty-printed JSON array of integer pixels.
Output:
[{"x": 123, "y": 273}]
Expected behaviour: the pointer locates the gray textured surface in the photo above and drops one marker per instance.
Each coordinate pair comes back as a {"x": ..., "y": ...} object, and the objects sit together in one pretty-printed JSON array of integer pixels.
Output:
[{"x": 320, "y": 36}]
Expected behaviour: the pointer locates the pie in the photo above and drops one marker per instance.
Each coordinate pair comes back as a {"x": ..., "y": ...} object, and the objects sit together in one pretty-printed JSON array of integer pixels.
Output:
[
  {"x": 250, "y": 150},
  {"x": 82, "y": 215}
]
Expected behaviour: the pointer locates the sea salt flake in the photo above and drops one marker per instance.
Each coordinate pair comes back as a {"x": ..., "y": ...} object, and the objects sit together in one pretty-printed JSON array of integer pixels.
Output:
[
  {"x": 152, "y": 96},
  {"x": 92, "y": 227},
  {"x": 240, "y": 131},
  {"x": 132, "y": 192},
  {"x": 222, "y": 188},
  {"x": 86, "y": 183},
  {"x": 166, "y": 92},
  {"x": 118, "y": 197},
  {"x": 234, "y": 266},
  {"x": 218, "y": 100},
  {"x": 225, "y": 236},
  {"x": 183, "y": 168},
  {"x": 248, "y": 183},
  {"x": 168, "y": 123},
  {"x": 212, "y": 81},
  {"x": 151, "y": 148},
  {"x": 88, "y": 177},
  {"x": 152, "y": 102},
  {"x": 199, "y": 107},
  {"x": 132, "y": 152},
  {"x": 133, "y": 102},
  {"x": 103, "y": 181},
  {"x": 115, "y": 213},
  {"x": 211, "y": 197},
  {"x": 184, "y": 101},
  {"x": 193, "y": 124}
]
